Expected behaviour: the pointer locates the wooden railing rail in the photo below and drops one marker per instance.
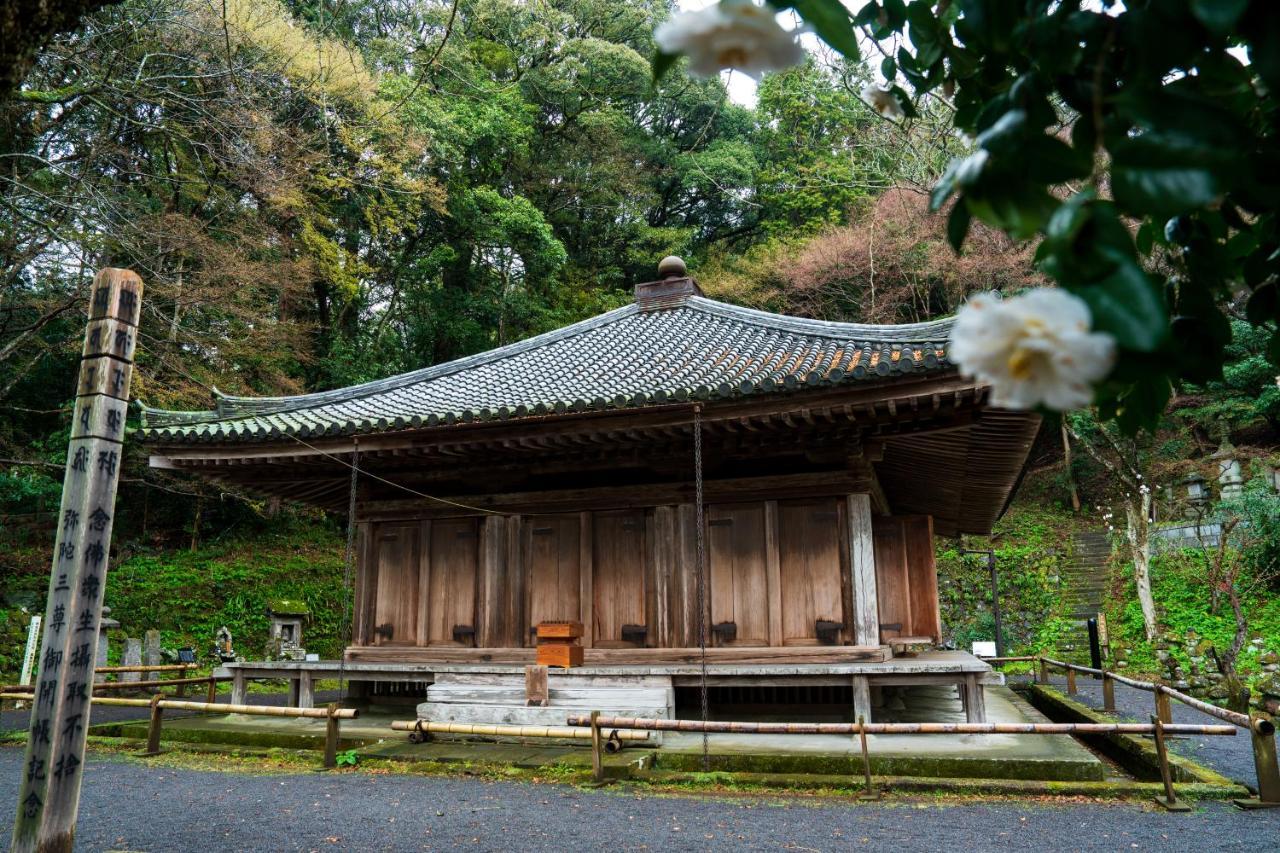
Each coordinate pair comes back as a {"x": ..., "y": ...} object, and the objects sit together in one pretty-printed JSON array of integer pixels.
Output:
[
  {"x": 158, "y": 705},
  {"x": 1262, "y": 729}
]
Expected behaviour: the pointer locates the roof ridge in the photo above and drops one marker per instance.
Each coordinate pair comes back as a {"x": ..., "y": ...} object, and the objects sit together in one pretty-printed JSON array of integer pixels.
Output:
[
  {"x": 930, "y": 331},
  {"x": 232, "y": 406}
]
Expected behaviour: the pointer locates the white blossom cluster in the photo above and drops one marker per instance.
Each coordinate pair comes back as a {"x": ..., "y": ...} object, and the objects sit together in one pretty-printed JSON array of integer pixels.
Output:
[
  {"x": 735, "y": 34},
  {"x": 1034, "y": 349}
]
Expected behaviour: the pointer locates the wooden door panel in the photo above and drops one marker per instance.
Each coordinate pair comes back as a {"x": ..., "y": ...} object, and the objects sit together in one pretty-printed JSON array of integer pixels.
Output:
[
  {"x": 738, "y": 571},
  {"x": 451, "y": 589},
  {"x": 619, "y": 544},
  {"x": 892, "y": 586},
  {"x": 809, "y": 568},
  {"x": 554, "y": 569},
  {"x": 922, "y": 574},
  {"x": 395, "y": 611}
]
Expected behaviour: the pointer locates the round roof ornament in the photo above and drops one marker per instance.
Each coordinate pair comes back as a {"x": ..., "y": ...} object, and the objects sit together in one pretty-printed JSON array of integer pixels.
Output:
[{"x": 672, "y": 267}]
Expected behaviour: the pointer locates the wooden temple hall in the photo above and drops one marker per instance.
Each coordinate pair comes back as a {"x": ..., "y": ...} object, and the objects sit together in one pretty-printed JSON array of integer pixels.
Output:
[{"x": 557, "y": 480}]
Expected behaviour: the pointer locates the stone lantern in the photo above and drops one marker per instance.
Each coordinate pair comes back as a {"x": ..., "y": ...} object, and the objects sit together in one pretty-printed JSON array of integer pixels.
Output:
[
  {"x": 285, "y": 638},
  {"x": 1230, "y": 479}
]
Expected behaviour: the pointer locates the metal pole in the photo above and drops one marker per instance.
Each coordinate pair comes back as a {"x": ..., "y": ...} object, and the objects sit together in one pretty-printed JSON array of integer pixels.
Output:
[
  {"x": 1095, "y": 647},
  {"x": 49, "y": 797},
  {"x": 995, "y": 602}
]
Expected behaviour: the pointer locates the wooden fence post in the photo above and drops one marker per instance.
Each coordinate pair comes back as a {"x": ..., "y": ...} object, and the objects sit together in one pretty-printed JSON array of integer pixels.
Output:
[
  {"x": 213, "y": 691},
  {"x": 331, "y": 735},
  {"x": 597, "y": 760},
  {"x": 153, "y": 730},
  {"x": 870, "y": 793},
  {"x": 1071, "y": 681},
  {"x": 1170, "y": 801},
  {"x": 1044, "y": 671},
  {"x": 1263, "y": 733},
  {"x": 1163, "y": 710},
  {"x": 1108, "y": 692},
  {"x": 49, "y": 796}
]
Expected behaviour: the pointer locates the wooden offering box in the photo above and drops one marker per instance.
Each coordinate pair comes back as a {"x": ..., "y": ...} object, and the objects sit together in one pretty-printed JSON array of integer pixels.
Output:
[{"x": 558, "y": 644}]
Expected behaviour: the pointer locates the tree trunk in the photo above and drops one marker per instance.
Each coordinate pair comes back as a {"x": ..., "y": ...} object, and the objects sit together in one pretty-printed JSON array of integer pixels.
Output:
[{"x": 1138, "y": 516}]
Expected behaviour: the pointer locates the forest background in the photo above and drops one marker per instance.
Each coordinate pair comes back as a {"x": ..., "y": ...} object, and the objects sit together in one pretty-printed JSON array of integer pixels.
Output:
[{"x": 320, "y": 193}]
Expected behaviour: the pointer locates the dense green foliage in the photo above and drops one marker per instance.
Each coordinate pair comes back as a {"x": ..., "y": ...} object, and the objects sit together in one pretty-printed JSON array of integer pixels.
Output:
[
  {"x": 1089, "y": 119},
  {"x": 188, "y": 595},
  {"x": 1030, "y": 551}
]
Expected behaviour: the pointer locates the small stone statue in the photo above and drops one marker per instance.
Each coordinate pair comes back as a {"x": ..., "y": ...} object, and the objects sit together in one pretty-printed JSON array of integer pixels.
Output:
[{"x": 222, "y": 645}]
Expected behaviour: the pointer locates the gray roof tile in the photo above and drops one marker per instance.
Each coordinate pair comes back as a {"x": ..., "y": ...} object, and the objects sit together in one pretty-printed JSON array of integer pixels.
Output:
[{"x": 693, "y": 348}]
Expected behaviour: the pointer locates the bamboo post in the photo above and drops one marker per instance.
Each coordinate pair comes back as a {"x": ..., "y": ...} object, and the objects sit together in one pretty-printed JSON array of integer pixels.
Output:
[
  {"x": 331, "y": 733},
  {"x": 1071, "y": 681},
  {"x": 1163, "y": 710},
  {"x": 1108, "y": 692},
  {"x": 1263, "y": 733},
  {"x": 597, "y": 760},
  {"x": 870, "y": 792},
  {"x": 153, "y": 730},
  {"x": 1170, "y": 801},
  {"x": 49, "y": 797}
]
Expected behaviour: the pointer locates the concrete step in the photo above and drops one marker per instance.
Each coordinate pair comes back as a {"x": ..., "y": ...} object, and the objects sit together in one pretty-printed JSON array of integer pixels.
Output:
[
  {"x": 500, "y": 698},
  {"x": 489, "y": 694},
  {"x": 522, "y": 715}
]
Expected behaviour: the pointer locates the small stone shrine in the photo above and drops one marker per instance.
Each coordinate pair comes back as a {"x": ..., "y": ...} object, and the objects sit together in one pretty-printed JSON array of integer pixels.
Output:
[{"x": 287, "y": 617}]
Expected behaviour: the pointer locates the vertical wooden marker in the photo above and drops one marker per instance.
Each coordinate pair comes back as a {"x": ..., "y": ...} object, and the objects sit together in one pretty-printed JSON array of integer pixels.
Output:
[{"x": 50, "y": 793}]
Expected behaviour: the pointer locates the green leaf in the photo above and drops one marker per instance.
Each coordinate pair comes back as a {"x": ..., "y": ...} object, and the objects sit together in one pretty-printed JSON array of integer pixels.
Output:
[
  {"x": 1129, "y": 306},
  {"x": 1150, "y": 178},
  {"x": 904, "y": 101},
  {"x": 1263, "y": 304},
  {"x": 831, "y": 21},
  {"x": 661, "y": 63},
  {"x": 889, "y": 68},
  {"x": 1143, "y": 404},
  {"x": 958, "y": 225},
  {"x": 1219, "y": 16}
]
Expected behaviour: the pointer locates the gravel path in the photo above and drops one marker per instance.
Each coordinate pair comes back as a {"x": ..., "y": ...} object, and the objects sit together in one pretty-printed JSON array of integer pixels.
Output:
[
  {"x": 1230, "y": 756},
  {"x": 128, "y": 806}
]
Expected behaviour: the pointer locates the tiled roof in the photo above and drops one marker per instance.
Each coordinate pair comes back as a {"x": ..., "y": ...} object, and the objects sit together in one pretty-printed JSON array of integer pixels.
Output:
[{"x": 690, "y": 348}]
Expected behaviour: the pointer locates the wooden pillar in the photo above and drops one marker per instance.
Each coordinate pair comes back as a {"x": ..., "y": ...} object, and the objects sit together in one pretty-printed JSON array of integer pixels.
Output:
[
  {"x": 975, "y": 700},
  {"x": 1108, "y": 692},
  {"x": 862, "y": 563},
  {"x": 237, "y": 687},
  {"x": 1071, "y": 681},
  {"x": 49, "y": 797},
  {"x": 306, "y": 690},
  {"x": 861, "y": 698}
]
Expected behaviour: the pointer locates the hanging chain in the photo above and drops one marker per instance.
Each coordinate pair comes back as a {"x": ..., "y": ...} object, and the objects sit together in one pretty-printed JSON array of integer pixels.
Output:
[
  {"x": 348, "y": 604},
  {"x": 702, "y": 579}
]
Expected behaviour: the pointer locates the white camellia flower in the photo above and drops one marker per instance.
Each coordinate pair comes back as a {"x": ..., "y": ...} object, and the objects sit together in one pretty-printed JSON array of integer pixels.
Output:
[
  {"x": 1034, "y": 349},
  {"x": 734, "y": 34},
  {"x": 883, "y": 101}
]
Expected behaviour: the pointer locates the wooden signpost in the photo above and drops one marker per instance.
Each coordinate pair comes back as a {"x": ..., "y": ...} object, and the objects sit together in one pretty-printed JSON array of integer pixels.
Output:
[
  {"x": 29, "y": 657},
  {"x": 50, "y": 793}
]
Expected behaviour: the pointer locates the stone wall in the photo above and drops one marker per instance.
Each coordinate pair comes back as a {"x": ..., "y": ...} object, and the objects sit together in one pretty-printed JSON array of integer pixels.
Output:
[{"x": 1200, "y": 675}]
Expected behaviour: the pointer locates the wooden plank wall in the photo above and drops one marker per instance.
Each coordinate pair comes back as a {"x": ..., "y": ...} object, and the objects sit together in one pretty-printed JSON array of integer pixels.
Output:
[
  {"x": 906, "y": 578},
  {"x": 774, "y": 568}
]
